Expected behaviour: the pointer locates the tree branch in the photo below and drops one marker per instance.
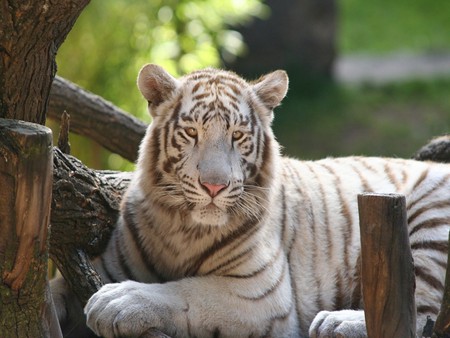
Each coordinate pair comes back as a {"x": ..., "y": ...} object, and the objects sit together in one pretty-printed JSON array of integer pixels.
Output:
[
  {"x": 85, "y": 208},
  {"x": 120, "y": 132}
]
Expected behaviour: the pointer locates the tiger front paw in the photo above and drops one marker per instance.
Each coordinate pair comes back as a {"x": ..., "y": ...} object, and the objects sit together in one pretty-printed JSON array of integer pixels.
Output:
[
  {"x": 339, "y": 324},
  {"x": 129, "y": 309}
]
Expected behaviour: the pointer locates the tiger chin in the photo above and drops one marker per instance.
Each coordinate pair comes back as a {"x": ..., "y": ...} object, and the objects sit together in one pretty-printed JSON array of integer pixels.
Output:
[{"x": 221, "y": 236}]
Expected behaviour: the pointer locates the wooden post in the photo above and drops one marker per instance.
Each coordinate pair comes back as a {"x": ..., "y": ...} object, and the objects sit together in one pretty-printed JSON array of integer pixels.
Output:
[
  {"x": 387, "y": 267},
  {"x": 442, "y": 325},
  {"x": 26, "y": 307}
]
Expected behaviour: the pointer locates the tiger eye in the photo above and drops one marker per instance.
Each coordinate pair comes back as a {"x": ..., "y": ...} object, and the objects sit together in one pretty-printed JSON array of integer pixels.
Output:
[
  {"x": 192, "y": 132},
  {"x": 237, "y": 135}
]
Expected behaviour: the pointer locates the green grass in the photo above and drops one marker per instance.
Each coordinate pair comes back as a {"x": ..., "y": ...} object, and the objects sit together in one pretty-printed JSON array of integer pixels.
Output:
[
  {"x": 384, "y": 26},
  {"x": 390, "y": 120},
  {"x": 320, "y": 119}
]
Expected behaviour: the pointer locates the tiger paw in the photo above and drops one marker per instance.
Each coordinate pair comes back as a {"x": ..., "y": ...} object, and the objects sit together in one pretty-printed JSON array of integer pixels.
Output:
[
  {"x": 339, "y": 324},
  {"x": 129, "y": 309}
]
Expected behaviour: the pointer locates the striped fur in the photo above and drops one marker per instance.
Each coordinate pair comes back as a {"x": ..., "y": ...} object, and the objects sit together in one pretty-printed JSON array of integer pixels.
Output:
[{"x": 280, "y": 241}]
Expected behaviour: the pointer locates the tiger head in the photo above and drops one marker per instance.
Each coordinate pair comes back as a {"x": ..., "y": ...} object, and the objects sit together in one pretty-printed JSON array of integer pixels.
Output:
[{"x": 209, "y": 152}]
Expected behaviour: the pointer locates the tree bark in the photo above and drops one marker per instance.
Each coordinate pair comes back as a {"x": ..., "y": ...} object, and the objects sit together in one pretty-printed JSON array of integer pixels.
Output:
[
  {"x": 85, "y": 208},
  {"x": 387, "y": 268},
  {"x": 30, "y": 35},
  {"x": 26, "y": 307},
  {"x": 120, "y": 133}
]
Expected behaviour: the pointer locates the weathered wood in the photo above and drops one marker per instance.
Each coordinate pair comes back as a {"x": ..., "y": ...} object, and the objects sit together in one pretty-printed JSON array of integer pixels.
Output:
[
  {"x": 63, "y": 137},
  {"x": 30, "y": 34},
  {"x": 387, "y": 267},
  {"x": 85, "y": 208},
  {"x": 120, "y": 132},
  {"x": 442, "y": 325},
  {"x": 26, "y": 308}
]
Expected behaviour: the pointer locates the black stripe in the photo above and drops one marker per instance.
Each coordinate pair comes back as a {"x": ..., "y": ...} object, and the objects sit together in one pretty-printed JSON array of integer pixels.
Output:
[
  {"x": 356, "y": 298},
  {"x": 271, "y": 289},
  {"x": 428, "y": 278},
  {"x": 280, "y": 317},
  {"x": 267, "y": 158},
  {"x": 430, "y": 206},
  {"x": 259, "y": 270},
  {"x": 391, "y": 176},
  {"x": 293, "y": 280},
  {"x": 122, "y": 261},
  {"x": 177, "y": 109},
  {"x": 328, "y": 244},
  {"x": 430, "y": 224},
  {"x": 231, "y": 260},
  {"x": 421, "y": 179},
  {"x": 441, "y": 246},
  {"x": 442, "y": 264},
  {"x": 155, "y": 150},
  {"x": 216, "y": 333},
  {"x": 345, "y": 212},
  {"x": 365, "y": 184},
  {"x": 129, "y": 222},
  {"x": 108, "y": 273},
  {"x": 247, "y": 228},
  {"x": 427, "y": 309}
]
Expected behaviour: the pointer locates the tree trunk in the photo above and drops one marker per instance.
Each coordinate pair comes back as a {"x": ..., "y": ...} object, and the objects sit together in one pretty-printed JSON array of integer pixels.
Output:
[
  {"x": 26, "y": 308},
  {"x": 30, "y": 35},
  {"x": 299, "y": 36}
]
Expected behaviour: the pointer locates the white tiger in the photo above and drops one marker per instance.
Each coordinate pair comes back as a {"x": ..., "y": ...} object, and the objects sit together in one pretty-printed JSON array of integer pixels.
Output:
[{"x": 221, "y": 236}]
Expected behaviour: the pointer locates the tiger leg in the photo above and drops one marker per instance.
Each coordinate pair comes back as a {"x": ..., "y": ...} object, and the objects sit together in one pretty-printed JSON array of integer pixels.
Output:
[{"x": 199, "y": 306}]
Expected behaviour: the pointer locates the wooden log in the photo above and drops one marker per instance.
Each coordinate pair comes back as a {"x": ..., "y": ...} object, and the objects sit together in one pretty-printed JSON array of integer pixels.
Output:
[
  {"x": 442, "y": 325},
  {"x": 85, "y": 208},
  {"x": 387, "y": 267},
  {"x": 120, "y": 133},
  {"x": 26, "y": 307}
]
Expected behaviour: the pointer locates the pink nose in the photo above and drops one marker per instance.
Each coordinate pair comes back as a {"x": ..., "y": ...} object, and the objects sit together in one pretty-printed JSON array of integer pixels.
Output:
[{"x": 213, "y": 189}]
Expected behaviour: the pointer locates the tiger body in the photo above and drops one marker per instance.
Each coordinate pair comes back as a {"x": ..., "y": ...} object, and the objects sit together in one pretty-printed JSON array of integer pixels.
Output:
[{"x": 220, "y": 235}]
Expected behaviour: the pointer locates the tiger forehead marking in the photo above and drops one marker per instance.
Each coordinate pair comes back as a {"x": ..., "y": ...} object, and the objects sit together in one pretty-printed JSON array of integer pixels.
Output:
[{"x": 210, "y": 94}]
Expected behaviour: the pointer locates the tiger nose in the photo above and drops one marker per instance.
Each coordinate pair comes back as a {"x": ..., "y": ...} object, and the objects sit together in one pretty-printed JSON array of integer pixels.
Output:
[{"x": 213, "y": 189}]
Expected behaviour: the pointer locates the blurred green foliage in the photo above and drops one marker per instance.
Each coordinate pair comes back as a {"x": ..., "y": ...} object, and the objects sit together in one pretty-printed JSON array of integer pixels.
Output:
[
  {"x": 113, "y": 39},
  {"x": 384, "y": 26}
]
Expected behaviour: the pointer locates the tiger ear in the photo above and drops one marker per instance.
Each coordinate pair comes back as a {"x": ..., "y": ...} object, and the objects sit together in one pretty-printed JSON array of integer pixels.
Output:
[
  {"x": 155, "y": 84},
  {"x": 272, "y": 88}
]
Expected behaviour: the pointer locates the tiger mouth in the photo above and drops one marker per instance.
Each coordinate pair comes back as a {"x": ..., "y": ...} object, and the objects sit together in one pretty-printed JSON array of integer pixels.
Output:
[{"x": 211, "y": 206}]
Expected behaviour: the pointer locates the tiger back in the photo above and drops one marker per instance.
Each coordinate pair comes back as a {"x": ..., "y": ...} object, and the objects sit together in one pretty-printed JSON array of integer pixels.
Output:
[{"x": 221, "y": 236}]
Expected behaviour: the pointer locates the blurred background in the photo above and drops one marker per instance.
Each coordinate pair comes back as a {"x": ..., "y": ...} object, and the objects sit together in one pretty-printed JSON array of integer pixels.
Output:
[{"x": 366, "y": 78}]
